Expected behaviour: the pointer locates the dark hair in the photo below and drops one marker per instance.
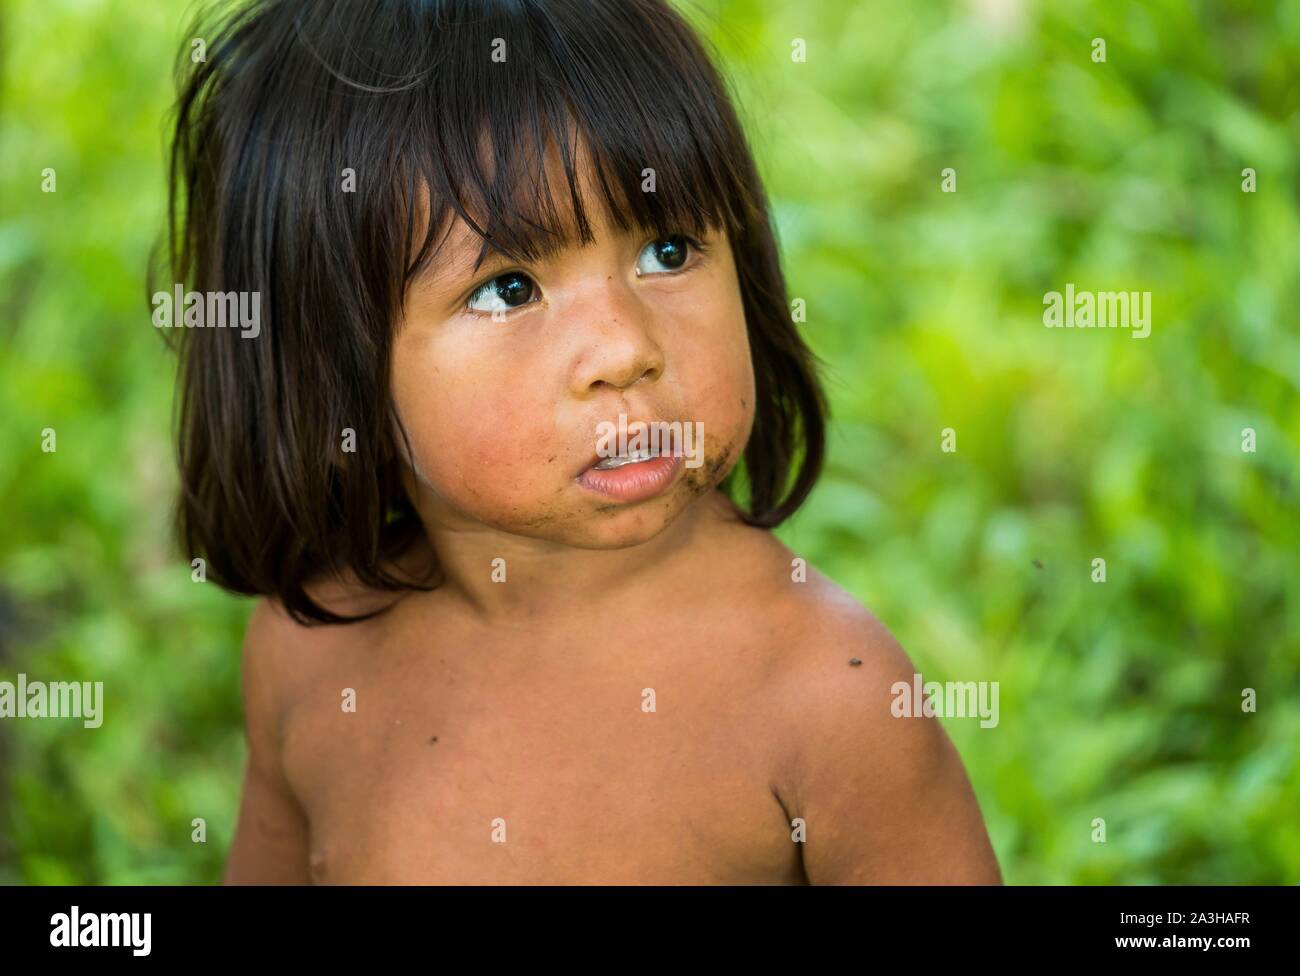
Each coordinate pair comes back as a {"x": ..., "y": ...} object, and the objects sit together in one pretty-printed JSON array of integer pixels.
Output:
[{"x": 407, "y": 94}]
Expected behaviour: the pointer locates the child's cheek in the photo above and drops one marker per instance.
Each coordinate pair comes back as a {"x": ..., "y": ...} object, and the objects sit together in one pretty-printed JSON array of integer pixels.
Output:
[
  {"x": 736, "y": 406},
  {"x": 485, "y": 451},
  {"x": 721, "y": 380},
  {"x": 715, "y": 361}
]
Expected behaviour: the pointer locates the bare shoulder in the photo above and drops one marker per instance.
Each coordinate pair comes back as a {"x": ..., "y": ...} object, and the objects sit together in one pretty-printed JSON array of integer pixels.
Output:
[
  {"x": 839, "y": 654},
  {"x": 884, "y": 798},
  {"x": 270, "y": 845},
  {"x": 273, "y": 633},
  {"x": 284, "y": 655},
  {"x": 818, "y": 629},
  {"x": 832, "y": 662},
  {"x": 342, "y": 594},
  {"x": 283, "y": 661}
]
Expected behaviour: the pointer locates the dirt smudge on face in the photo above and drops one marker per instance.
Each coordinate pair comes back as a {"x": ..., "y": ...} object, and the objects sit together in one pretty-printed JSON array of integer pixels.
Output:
[{"x": 702, "y": 480}]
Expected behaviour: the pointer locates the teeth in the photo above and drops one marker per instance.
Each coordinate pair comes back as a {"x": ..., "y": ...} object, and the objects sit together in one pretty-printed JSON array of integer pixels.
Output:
[{"x": 606, "y": 464}]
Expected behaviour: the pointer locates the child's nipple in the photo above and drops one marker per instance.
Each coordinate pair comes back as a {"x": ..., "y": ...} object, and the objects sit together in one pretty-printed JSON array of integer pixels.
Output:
[{"x": 317, "y": 866}]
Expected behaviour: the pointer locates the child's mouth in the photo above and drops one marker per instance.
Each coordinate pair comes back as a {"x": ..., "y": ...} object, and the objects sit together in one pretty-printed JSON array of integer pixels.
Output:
[
  {"x": 632, "y": 477},
  {"x": 632, "y": 457}
]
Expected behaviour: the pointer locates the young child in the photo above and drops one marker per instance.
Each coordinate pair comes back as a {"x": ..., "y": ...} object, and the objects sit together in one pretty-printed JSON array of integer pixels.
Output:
[{"x": 499, "y": 642}]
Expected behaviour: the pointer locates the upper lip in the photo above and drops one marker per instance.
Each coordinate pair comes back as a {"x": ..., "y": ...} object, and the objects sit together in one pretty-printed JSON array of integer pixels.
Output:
[{"x": 631, "y": 426}]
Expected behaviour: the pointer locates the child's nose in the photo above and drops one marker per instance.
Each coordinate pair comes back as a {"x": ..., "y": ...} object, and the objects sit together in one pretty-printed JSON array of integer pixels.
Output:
[{"x": 617, "y": 347}]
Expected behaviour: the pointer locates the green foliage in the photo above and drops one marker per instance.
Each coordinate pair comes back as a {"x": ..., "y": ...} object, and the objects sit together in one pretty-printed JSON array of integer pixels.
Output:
[{"x": 1118, "y": 700}]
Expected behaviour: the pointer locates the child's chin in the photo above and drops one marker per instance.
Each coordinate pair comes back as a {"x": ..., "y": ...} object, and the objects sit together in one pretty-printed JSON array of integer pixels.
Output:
[
  {"x": 620, "y": 526},
  {"x": 619, "y": 532}
]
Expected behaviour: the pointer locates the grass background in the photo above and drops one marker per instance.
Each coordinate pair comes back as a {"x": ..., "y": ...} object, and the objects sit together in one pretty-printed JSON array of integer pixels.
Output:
[{"x": 1119, "y": 700}]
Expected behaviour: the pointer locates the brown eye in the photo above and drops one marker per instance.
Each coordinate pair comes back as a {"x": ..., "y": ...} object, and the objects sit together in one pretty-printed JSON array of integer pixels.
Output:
[
  {"x": 670, "y": 253},
  {"x": 502, "y": 293}
]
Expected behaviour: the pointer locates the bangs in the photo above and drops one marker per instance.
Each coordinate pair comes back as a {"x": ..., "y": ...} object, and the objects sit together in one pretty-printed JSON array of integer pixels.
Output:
[{"x": 511, "y": 86}]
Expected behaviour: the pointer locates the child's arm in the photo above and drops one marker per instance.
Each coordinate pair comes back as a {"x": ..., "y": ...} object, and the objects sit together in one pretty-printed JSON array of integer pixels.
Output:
[
  {"x": 271, "y": 837},
  {"x": 885, "y": 799}
]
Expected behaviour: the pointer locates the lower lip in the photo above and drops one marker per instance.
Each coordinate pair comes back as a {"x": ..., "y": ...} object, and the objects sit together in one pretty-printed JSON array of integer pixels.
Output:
[{"x": 633, "y": 482}]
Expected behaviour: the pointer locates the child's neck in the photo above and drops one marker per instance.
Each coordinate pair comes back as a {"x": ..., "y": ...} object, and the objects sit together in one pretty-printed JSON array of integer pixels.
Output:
[{"x": 507, "y": 579}]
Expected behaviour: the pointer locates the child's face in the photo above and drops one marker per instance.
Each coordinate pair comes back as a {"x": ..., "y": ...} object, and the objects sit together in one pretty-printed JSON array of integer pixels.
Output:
[{"x": 504, "y": 416}]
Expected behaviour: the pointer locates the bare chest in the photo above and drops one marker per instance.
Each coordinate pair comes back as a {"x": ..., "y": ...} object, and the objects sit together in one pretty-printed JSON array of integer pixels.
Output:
[{"x": 465, "y": 770}]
